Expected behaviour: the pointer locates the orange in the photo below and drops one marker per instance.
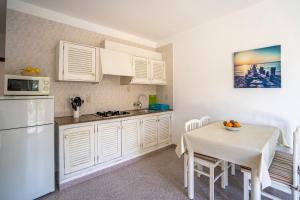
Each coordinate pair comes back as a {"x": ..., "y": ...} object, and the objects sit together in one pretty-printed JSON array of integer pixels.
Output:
[{"x": 229, "y": 124}]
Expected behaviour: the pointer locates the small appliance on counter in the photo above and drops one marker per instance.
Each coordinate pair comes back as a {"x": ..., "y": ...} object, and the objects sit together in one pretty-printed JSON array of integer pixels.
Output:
[
  {"x": 76, "y": 103},
  {"x": 26, "y": 85}
]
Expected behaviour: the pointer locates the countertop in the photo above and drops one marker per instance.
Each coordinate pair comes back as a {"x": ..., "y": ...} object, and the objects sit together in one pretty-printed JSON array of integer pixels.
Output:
[{"x": 93, "y": 117}]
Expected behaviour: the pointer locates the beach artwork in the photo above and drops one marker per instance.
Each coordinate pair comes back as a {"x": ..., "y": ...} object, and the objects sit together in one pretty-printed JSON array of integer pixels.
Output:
[{"x": 258, "y": 68}]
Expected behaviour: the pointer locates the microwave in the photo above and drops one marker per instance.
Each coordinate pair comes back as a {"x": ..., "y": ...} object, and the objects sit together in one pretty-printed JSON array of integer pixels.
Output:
[{"x": 26, "y": 85}]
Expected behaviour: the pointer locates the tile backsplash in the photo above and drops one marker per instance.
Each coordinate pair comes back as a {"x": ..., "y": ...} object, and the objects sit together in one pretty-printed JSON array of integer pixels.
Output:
[{"x": 33, "y": 41}]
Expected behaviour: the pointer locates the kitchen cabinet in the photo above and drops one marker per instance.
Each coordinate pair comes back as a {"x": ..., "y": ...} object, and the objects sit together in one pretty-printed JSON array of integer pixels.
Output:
[
  {"x": 141, "y": 70},
  {"x": 85, "y": 148},
  {"x": 130, "y": 136},
  {"x": 108, "y": 141},
  {"x": 164, "y": 128},
  {"x": 115, "y": 63},
  {"x": 78, "y": 148},
  {"x": 149, "y": 132},
  {"x": 147, "y": 71},
  {"x": 158, "y": 72},
  {"x": 78, "y": 62},
  {"x": 156, "y": 130}
]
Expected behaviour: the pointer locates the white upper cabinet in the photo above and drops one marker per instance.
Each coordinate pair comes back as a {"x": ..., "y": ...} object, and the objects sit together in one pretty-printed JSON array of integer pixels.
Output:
[
  {"x": 116, "y": 63},
  {"x": 158, "y": 72},
  {"x": 78, "y": 62},
  {"x": 148, "y": 71},
  {"x": 141, "y": 70},
  {"x": 78, "y": 148}
]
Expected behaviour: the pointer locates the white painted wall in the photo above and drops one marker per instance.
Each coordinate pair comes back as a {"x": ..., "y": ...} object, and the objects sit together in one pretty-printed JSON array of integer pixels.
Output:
[{"x": 203, "y": 67}]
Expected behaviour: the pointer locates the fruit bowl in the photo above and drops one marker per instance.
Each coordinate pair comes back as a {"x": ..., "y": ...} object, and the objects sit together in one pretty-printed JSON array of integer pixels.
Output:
[
  {"x": 233, "y": 128},
  {"x": 31, "y": 71},
  {"x": 232, "y": 125}
]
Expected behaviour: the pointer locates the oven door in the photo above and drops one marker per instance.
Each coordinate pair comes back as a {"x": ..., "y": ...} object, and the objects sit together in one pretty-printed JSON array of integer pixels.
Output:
[{"x": 20, "y": 85}]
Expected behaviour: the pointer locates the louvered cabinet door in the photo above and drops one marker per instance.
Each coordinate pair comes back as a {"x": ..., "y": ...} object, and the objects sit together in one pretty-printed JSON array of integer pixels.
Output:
[
  {"x": 164, "y": 130},
  {"x": 158, "y": 72},
  {"x": 109, "y": 141},
  {"x": 130, "y": 136},
  {"x": 80, "y": 63},
  {"x": 78, "y": 148},
  {"x": 149, "y": 132},
  {"x": 141, "y": 70}
]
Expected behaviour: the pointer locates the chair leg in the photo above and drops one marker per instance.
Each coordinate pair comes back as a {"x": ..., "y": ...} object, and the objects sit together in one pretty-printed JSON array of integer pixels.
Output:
[
  {"x": 185, "y": 170},
  {"x": 246, "y": 185},
  {"x": 232, "y": 169},
  {"x": 223, "y": 185},
  {"x": 200, "y": 168},
  {"x": 295, "y": 194},
  {"x": 226, "y": 173},
  {"x": 211, "y": 183}
]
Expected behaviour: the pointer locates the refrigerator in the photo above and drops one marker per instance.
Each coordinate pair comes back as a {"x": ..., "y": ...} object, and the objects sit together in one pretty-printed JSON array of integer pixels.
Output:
[{"x": 26, "y": 147}]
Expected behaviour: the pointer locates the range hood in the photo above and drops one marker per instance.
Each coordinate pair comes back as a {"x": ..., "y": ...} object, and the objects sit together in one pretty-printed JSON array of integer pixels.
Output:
[
  {"x": 3, "y": 10},
  {"x": 115, "y": 63}
]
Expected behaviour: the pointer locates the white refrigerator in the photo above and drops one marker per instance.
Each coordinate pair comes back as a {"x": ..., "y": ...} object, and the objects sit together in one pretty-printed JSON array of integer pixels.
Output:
[{"x": 26, "y": 147}]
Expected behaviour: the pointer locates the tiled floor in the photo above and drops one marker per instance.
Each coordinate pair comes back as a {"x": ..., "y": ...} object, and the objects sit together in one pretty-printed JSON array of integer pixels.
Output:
[{"x": 159, "y": 176}]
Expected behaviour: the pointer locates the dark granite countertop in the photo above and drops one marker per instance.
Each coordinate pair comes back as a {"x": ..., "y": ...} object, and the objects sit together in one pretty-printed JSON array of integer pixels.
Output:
[{"x": 93, "y": 117}]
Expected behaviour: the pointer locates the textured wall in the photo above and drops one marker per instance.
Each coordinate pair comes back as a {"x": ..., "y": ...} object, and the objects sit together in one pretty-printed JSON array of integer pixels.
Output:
[{"x": 33, "y": 41}]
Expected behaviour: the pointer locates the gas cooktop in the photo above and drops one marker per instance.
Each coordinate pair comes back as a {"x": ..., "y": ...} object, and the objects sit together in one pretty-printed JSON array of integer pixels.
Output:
[{"x": 112, "y": 113}]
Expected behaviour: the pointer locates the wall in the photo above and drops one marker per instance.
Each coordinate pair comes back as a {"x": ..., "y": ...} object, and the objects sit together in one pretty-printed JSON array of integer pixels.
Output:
[
  {"x": 2, "y": 71},
  {"x": 203, "y": 67},
  {"x": 33, "y": 41},
  {"x": 165, "y": 93}
]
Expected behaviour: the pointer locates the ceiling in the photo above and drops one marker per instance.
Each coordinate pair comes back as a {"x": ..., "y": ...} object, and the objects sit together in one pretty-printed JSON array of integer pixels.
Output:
[{"x": 152, "y": 19}]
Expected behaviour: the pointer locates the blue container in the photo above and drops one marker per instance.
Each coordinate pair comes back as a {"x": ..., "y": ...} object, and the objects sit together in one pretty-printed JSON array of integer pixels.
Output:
[{"x": 159, "y": 107}]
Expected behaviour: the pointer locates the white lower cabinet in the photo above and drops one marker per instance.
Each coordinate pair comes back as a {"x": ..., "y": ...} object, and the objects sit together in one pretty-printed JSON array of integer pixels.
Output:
[
  {"x": 87, "y": 148},
  {"x": 131, "y": 136},
  {"x": 155, "y": 130},
  {"x": 164, "y": 128},
  {"x": 149, "y": 132},
  {"x": 78, "y": 148},
  {"x": 108, "y": 141}
]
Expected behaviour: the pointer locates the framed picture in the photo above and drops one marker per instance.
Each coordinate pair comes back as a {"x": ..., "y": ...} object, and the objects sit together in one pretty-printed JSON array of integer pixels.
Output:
[{"x": 258, "y": 68}]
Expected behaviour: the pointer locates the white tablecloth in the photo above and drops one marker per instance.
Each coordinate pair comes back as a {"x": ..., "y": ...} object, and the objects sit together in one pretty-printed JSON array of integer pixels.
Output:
[{"x": 253, "y": 146}]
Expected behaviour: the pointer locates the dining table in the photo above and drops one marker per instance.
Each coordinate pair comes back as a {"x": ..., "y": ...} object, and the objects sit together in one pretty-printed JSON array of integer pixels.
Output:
[{"x": 251, "y": 146}]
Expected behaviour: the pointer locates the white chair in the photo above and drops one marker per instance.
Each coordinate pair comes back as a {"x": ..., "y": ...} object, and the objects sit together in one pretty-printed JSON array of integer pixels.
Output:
[
  {"x": 204, "y": 121},
  {"x": 202, "y": 160},
  {"x": 284, "y": 172}
]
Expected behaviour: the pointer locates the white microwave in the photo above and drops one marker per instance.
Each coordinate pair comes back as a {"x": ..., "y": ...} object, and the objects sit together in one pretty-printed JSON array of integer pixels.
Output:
[{"x": 26, "y": 85}]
